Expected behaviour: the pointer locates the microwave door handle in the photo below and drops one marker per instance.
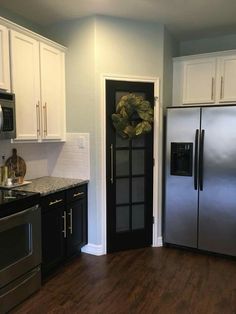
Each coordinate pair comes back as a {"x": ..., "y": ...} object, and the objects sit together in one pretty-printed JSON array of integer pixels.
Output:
[{"x": 1, "y": 118}]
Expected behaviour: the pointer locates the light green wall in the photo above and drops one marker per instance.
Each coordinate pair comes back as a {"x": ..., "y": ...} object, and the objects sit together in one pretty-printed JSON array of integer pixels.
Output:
[
  {"x": 171, "y": 49},
  {"x": 127, "y": 48},
  {"x": 79, "y": 38},
  {"x": 103, "y": 45},
  {"x": 21, "y": 21},
  {"x": 205, "y": 45}
]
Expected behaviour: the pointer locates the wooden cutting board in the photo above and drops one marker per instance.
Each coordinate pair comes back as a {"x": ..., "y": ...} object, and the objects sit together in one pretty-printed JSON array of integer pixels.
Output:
[{"x": 16, "y": 165}]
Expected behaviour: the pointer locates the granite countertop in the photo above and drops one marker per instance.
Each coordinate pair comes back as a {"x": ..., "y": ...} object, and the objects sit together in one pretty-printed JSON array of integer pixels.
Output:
[{"x": 48, "y": 185}]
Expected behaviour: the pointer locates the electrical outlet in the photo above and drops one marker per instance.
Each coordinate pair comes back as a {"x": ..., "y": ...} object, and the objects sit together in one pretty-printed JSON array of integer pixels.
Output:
[{"x": 81, "y": 142}]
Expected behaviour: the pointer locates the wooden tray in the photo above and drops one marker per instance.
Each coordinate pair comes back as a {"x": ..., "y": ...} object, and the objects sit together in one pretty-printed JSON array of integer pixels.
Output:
[{"x": 16, "y": 185}]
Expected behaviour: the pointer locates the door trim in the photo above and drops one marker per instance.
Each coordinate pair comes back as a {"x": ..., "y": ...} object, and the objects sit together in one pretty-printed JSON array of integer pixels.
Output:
[{"x": 157, "y": 151}]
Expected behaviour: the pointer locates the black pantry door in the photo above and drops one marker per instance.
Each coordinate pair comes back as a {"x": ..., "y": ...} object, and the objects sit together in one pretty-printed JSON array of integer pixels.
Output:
[{"x": 129, "y": 175}]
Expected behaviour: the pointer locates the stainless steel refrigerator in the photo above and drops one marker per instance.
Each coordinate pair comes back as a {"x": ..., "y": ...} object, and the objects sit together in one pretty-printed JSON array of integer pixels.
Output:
[{"x": 200, "y": 189}]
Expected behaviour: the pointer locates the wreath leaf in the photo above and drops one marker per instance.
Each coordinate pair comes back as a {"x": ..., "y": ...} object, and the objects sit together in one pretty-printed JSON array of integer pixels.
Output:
[{"x": 133, "y": 117}]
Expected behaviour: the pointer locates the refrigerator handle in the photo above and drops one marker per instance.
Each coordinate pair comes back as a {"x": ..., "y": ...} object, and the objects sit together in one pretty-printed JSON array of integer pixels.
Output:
[
  {"x": 196, "y": 160},
  {"x": 201, "y": 160}
]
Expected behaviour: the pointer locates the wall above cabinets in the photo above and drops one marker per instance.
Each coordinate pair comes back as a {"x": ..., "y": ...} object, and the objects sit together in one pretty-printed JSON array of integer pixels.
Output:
[
  {"x": 37, "y": 78},
  {"x": 205, "y": 79}
]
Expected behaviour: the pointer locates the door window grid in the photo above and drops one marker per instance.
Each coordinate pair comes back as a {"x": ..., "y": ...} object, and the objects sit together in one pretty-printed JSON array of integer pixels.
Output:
[{"x": 135, "y": 200}]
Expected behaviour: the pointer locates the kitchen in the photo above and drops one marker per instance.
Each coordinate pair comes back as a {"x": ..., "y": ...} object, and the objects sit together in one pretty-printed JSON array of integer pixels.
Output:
[{"x": 84, "y": 106}]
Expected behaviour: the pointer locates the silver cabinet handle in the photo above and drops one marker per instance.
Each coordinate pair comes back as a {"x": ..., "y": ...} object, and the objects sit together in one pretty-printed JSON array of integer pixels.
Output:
[
  {"x": 55, "y": 202},
  {"x": 212, "y": 88},
  {"x": 71, "y": 217},
  {"x": 112, "y": 164},
  {"x": 1, "y": 118},
  {"x": 78, "y": 194},
  {"x": 45, "y": 120},
  {"x": 221, "y": 87},
  {"x": 38, "y": 118},
  {"x": 64, "y": 224}
]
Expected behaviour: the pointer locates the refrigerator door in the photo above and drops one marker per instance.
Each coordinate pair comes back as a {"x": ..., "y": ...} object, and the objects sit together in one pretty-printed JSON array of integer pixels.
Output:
[
  {"x": 217, "y": 200},
  {"x": 181, "y": 201}
]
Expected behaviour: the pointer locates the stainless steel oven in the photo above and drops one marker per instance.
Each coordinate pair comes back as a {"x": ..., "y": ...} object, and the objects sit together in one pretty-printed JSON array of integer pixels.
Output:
[
  {"x": 7, "y": 116},
  {"x": 20, "y": 256}
]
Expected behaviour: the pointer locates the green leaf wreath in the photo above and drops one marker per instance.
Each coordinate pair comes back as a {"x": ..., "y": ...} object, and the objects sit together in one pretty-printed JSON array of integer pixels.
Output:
[{"x": 133, "y": 117}]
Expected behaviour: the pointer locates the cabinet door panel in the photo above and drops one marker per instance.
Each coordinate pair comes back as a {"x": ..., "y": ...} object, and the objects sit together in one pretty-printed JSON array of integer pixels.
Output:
[
  {"x": 77, "y": 226},
  {"x": 199, "y": 81},
  {"x": 227, "y": 78},
  {"x": 4, "y": 59},
  {"x": 52, "y": 239},
  {"x": 26, "y": 85},
  {"x": 52, "y": 85}
]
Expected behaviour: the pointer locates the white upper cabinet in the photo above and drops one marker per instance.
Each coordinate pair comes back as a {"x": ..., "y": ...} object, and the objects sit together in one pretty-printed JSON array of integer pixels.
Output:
[
  {"x": 203, "y": 79},
  {"x": 38, "y": 81},
  {"x": 52, "y": 85},
  {"x": 199, "y": 81},
  {"x": 4, "y": 59},
  {"x": 227, "y": 78},
  {"x": 26, "y": 85}
]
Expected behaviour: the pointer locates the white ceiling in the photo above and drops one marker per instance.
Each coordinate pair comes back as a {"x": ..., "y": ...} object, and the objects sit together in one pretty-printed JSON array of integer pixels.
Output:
[{"x": 184, "y": 18}]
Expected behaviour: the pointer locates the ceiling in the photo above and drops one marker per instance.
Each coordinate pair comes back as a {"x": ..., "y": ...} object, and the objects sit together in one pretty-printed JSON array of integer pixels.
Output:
[{"x": 184, "y": 18}]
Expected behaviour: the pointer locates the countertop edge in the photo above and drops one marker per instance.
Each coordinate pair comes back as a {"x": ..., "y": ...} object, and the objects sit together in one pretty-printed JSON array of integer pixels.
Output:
[
  {"x": 43, "y": 189},
  {"x": 64, "y": 188}
]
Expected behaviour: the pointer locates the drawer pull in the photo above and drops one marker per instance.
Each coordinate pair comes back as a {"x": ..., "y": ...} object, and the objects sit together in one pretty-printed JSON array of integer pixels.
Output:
[
  {"x": 78, "y": 194},
  {"x": 55, "y": 202}
]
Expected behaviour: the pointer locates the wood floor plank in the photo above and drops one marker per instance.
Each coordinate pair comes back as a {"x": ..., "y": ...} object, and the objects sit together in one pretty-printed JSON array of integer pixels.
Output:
[{"x": 150, "y": 280}]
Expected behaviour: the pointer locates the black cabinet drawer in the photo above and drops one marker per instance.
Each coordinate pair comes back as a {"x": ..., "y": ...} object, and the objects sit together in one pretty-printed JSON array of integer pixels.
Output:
[
  {"x": 76, "y": 193},
  {"x": 50, "y": 201}
]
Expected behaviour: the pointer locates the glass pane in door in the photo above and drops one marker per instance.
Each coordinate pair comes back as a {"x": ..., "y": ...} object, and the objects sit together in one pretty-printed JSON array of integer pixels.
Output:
[
  {"x": 138, "y": 190},
  {"x": 138, "y": 217},
  {"x": 122, "y": 218},
  {"x": 122, "y": 162},
  {"x": 122, "y": 191},
  {"x": 138, "y": 161},
  {"x": 121, "y": 142},
  {"x": 138, "y": 141},
  {"x": 15, "y": 244}
]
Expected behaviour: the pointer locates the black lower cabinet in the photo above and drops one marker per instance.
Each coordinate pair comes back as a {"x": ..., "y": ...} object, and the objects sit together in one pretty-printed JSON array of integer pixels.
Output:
[
  {"x": 53, "y": 246},
  {"x": 64, "y": 226}
]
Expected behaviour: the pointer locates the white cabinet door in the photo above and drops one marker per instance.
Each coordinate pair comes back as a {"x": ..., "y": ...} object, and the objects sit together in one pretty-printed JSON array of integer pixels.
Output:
[
  {"x": 227, "y": 78},
  {"x": 4, "y": 59},
  {"x": 199, "y": 81},
  {"x": 52, "y": 92},
  {"x": 26, "y": 85}
]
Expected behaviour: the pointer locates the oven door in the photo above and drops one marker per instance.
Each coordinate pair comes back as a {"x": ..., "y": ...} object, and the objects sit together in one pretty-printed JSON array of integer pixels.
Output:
[{"x": 20, "y": 244}]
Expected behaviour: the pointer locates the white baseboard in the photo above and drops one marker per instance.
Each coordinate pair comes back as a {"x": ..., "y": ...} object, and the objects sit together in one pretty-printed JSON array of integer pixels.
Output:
[
  {"x": 159, "y": 241},
  {"x": 93, "y": 249}
]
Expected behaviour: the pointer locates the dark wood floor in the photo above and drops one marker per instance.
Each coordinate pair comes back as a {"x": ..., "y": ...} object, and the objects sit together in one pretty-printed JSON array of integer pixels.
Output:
[{"x": 152, "y": 280}]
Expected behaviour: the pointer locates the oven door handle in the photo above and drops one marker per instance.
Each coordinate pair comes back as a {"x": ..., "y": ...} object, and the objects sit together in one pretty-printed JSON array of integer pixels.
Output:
[
  {"x": 21, "y": 213},
  {"x": 1, "y": 118}
]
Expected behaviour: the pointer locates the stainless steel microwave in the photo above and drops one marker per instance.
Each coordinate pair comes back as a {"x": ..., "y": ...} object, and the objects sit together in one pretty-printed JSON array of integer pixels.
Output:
[{"x": 7, "y": 116}]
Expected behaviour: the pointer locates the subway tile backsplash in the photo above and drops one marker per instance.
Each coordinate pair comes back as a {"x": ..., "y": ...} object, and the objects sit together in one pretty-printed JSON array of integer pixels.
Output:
[{"x": 70, "y": 159}]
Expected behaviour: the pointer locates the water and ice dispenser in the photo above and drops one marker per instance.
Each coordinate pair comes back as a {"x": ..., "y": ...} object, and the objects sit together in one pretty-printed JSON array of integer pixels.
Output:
[{"x": 181, "y": 163}]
